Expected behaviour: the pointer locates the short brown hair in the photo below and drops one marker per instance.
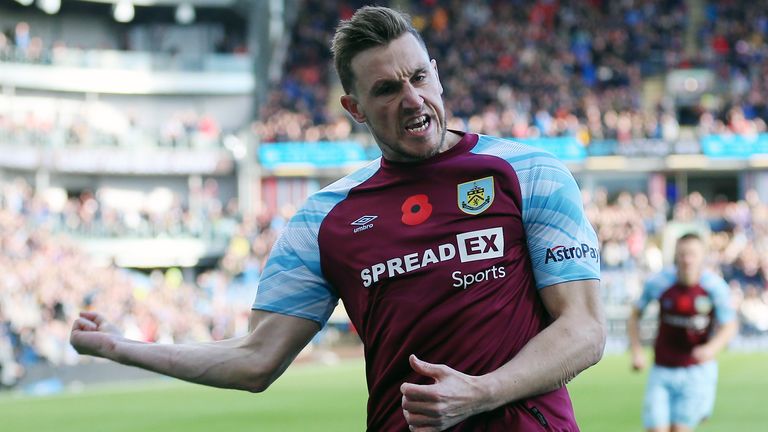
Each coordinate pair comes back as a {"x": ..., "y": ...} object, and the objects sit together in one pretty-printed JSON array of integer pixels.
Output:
[{"x": 370, "y": 26}]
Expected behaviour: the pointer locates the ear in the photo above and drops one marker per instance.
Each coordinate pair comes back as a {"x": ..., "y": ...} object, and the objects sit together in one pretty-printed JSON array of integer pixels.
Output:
[
  {"x": 434, "y": 66},
  {"x": 350, "y": 103}
]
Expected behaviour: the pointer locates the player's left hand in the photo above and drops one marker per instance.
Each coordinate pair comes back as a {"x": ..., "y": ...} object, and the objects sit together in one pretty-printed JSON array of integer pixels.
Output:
[
  {"x": 452, "y": 398},
  {"x": 704, "y": 353}
]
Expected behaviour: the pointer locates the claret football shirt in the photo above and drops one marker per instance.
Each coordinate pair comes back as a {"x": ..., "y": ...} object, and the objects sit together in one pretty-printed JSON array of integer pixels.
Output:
[
  {"x": 687, "y": 314},
  {"x": 443, "y": 259}
]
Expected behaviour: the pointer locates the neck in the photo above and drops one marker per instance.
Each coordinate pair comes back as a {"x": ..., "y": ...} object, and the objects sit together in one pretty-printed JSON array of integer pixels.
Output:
[
  {"x": 688, "y": 282},
  {"x": 451, "y": 139}
]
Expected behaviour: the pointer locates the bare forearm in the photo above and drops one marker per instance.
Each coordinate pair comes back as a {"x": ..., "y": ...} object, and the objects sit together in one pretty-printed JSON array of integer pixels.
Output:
[
  {"x": 250, "y": 362},
  {"x": 633, "y": 330},
  {"x": 723, "y": 336},
  {"x": 548, "y": 361},
  {"x": 226, "y": 364}
]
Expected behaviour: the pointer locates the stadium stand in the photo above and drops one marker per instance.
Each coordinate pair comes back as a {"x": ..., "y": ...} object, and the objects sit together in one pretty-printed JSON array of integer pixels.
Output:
[{"x": 600, "y": 72}]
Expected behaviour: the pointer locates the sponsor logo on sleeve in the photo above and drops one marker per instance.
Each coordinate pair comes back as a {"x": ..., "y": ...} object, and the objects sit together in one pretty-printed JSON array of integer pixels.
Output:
[
  {"x": 563, "y": 253},
  {"x": 476, "y": 196}
]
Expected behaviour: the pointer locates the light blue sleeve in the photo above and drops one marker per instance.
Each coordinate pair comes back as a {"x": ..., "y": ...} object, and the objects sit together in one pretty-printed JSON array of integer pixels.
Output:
[
  {"x": 645, "y": 297},
  {"x": 654, "y": 287},
  {"x": 561, "y": 241},
  {"x": 720, "y": 292},
  {"x": 292, "y": 282}
]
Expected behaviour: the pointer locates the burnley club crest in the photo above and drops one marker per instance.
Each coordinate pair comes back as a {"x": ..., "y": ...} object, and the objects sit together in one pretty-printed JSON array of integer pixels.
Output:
[{"x": 476, "y": 196}]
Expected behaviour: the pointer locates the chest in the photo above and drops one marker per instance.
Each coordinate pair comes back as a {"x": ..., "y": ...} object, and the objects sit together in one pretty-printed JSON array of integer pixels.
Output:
[
  {"x": 686, "y": 301},
  {"x": 423, "y": 240}
]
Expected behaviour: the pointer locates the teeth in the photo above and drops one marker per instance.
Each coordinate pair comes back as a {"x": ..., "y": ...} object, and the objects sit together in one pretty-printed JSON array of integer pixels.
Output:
[
  {"x": 419, "y": 124},
  {"x": 420, "y": 128}
]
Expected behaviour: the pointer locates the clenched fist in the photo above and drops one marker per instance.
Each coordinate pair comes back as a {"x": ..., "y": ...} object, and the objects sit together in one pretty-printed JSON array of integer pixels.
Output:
[{"x": 93, "y": 335}]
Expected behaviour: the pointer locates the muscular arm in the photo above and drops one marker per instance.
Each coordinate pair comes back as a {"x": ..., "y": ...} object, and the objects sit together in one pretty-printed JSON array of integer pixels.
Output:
[
  {"x": 573, "y": 342},
  {"x": 250, "y": 362}
]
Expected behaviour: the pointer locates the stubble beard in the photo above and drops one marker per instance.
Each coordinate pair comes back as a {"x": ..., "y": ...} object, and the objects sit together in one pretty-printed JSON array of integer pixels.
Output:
[{"x": 404, "y": 156}]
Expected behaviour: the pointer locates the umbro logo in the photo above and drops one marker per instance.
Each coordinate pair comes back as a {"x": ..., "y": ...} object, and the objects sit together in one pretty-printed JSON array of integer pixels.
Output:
[
  {"x": 365, "y": 220},
  {"x": 363, "y": 223}
]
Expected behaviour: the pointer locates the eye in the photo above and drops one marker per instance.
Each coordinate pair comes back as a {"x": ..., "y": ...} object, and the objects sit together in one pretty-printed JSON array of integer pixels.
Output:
[
  {"x": 384, "y": 89},
  {"x": 420, "y": 77}
]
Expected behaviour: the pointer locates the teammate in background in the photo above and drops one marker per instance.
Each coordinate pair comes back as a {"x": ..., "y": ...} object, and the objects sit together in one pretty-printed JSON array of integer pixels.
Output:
[
  {"x": 696, "y": 322},
  {"x": 465, "y": 262}
]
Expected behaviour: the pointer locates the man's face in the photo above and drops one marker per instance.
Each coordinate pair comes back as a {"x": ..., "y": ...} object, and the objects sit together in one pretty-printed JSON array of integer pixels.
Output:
[
  {"x": 397, "y": 93},
  {"x": 689, "y": 259}
]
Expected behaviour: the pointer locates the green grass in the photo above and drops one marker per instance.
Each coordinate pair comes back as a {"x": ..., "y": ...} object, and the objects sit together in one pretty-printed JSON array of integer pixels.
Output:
[
  {"x": 608, "y": 397},
  {"x": 332, "y": 398}
]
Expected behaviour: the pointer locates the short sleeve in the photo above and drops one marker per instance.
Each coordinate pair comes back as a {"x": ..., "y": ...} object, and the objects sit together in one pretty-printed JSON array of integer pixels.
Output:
[
  {"x": 645, "y": 297},
  {"x": 720, "y": 293},
  {"x": 654, "y": 287},
  {"x": 561, "y": 241},
  {"x": 292, "y": 282}
]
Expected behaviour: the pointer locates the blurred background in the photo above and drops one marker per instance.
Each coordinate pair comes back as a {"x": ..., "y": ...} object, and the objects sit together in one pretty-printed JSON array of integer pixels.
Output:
[{"x": 152, "y": 150}]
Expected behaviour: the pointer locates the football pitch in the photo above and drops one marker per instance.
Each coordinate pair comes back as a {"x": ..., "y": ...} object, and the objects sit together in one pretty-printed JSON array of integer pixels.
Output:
[{"x": 332, "y": 398}]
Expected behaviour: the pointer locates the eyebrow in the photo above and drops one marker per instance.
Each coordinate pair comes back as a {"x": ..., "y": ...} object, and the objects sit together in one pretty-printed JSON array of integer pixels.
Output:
[
  {"x": 383, "y": 83},
  {"x": 388, "y": 82}
]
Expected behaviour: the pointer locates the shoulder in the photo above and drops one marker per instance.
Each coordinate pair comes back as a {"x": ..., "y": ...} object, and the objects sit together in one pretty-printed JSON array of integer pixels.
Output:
[
  {"x": 326, "y": 198},
  {"x": 712, "y": 282},
  {"x": 517, "y": 154},
  {"x": 660, "y": 282},
  {"x": 538, "y": 172}
]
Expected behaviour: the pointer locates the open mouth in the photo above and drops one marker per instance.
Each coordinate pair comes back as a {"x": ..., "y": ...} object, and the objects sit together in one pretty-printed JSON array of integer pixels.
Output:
[{"x": 419, "y": 124}]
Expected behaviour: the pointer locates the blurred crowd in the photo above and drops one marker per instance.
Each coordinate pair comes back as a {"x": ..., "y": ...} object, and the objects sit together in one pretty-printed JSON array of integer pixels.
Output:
[
  {"x": 734, "y": 37},
  {"x": 113, "y": 213},
  {"x": 551, "y": 68},
  {"x": 519, "y": 69},
  {"x": 47, "y": 122},
  {"x": 47, "y": 279},
  {"x": 637, "y": 233},
  {"x": 21, "y": 42}
]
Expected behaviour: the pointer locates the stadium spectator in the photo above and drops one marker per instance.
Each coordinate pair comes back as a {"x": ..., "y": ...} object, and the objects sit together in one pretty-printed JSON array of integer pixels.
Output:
[
  {"x": 754, "y": 311},
  {"x": 21, "y": 39},
  {"x": 6, "y": 50},
  {"x": 10, "y": 370}
]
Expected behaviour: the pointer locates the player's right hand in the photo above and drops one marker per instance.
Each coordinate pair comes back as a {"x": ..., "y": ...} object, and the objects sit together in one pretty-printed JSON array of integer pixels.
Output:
[
  {"x": 93, "y": 335},
  {"x": 638, "y": 360}
]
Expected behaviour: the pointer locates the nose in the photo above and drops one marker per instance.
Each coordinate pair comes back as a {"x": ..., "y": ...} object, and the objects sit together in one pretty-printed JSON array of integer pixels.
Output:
[{"x": 411, "y": 97}]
